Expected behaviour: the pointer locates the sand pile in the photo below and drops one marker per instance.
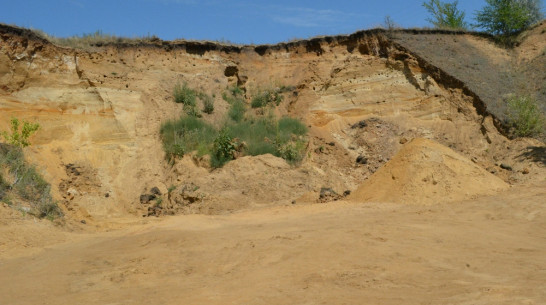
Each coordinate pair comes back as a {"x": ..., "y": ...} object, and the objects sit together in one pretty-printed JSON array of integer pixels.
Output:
[{"x": 426, "y": 172}]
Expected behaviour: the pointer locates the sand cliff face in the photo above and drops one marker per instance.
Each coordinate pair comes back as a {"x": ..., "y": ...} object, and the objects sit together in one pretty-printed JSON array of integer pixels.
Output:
[{"x": 100, "y": 111}]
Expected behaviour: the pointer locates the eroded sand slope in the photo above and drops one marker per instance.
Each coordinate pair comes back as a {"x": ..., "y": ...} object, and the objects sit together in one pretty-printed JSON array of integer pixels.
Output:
[{"x": 100, "y": 111}]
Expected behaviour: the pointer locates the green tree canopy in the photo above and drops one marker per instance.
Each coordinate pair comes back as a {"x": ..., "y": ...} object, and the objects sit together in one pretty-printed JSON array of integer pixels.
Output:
[
  {"x": 507, "y": 17},
  {"x": 445, "y": 15}
]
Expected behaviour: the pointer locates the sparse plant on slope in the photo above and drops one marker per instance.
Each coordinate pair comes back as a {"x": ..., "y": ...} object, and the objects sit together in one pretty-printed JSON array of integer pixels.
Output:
[
  {"x": 525, "y": 117},
  {"x": 20, "y": 138},
  {"x": 208, "y": 103},
  {"x": 237, "y": 107},
  {"x": 22, "y": 178},
  {"x": 265, "y": 98},
  {"x": 508, "y": 17},
  {"x": 237, "y": 111},
  {"x": 188, "y": 97},
  {"x": 25, "y": 181},
  {"x": 445, "y": 14},
  {"x": 389, "y": 24},
  {"x": 223, "y": 149},
  {"x": 97, "y": 38}
]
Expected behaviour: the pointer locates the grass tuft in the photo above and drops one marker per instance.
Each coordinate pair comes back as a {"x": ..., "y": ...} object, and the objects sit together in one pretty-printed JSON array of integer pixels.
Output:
[
  {"x": 241, "y": 134},
  {"x": 208, "y": 103},
  {"x": 185, "y": 135},
  {"x": 266, "y": 97},
  {"x": 525, "y": 117}
]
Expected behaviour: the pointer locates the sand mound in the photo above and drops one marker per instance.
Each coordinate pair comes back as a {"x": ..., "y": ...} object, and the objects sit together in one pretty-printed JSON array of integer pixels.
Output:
[{"x": 426, "y": 172}]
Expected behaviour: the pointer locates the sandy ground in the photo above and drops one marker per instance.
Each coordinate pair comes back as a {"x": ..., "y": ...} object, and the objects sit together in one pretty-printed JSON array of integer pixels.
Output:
[{"x": 487, "y": 251}]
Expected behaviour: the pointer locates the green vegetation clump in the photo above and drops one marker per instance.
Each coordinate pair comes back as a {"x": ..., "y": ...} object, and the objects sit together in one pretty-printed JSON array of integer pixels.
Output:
[
  {"x": 20, "y": 138},
  {"x": 508, "y": 17},
  {"x": 283, "y": 138},
  {"x": 525, "y": 117},
  {"x": 237, "y": 111},
  {"x": 240, "y": 134},
  {"x": 445, "y": 15},
  {"x": 186, "y": 96},
  {"x": 265, "y": 98},
  {"x": 185, "y": 135},
  {"x": 25, "y": 181},
  {"x": 208, "y": 103},
  {"x": 20, "y": 178},
  {"x": 223, "y": 149},
  {"x": 236, "y": 91},
  {"x": 237, "y": 108}
]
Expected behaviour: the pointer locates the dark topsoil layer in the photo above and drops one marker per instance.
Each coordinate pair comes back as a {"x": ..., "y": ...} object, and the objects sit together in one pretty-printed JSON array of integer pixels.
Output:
[{"x": 492, "y": 80}]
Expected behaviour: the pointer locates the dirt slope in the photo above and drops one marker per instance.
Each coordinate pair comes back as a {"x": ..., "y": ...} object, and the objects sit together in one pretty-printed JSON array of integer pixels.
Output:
[
  {"x": 100, "y": 111},
  {"x": 491, "y": 71},
  {"x": 425, "y": 172},
  {"x": 485, "y": 251}
]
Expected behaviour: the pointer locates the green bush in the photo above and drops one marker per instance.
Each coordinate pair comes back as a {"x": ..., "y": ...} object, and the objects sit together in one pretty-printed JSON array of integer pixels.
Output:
[
  {"x": 445, "y": 15},
  {"x": 236, "y": 91},
  {"x": 282, "y": 138},
  {"x": 525, "y": 117},
  {"x": 291, "y": 151},
  {"x": 223, "y": 149},
  {"x": 233, "y": 94},
  {"x": 508, "y": 17},
  {"x": 235, "y": 99},
  {"x": 237, "y": 110},
  {"x": 184, "y": 95},
  {"x": 188, "y": 97},
  {"x": 290, "y": 125},
  {"x": 4, "y": 187},
  {"x": 20, "y": 138},
  {"x": 27, "y": 183},
  {"x": 185, "y": 135},
  {"x": 192, "y": 111},
  {"x": 257, "y": 135},
  {"x": 208, "y": 103},
  {"x": 265, "y": 98}
]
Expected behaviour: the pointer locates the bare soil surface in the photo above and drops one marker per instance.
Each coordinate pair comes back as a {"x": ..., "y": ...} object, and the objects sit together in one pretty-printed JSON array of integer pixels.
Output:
[{"x": 485, "y": 251}]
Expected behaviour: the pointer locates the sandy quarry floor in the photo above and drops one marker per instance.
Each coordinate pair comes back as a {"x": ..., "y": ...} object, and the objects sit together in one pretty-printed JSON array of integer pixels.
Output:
[{"x": 491, "y": 250}]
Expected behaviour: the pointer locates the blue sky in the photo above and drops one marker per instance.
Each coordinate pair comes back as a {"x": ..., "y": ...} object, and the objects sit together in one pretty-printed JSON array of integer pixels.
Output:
[{"x": 239, "y": 21}]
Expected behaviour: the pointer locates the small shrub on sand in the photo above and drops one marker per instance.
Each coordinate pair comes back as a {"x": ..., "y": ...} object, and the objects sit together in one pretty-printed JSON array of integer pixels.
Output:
[
  {"x": 184, "y": 95},
  {"x": 237, "y": 111},
  {"x": 26, "y": 182},
  {"x": 188, "y": 97},
  {"x": 20, "y": 138},
  {"x": 265, "y": 98},
  {"x": 208, "y": 103},
  {"x": 524, "y": 116},
  {"x": 223, "y": 149}
]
